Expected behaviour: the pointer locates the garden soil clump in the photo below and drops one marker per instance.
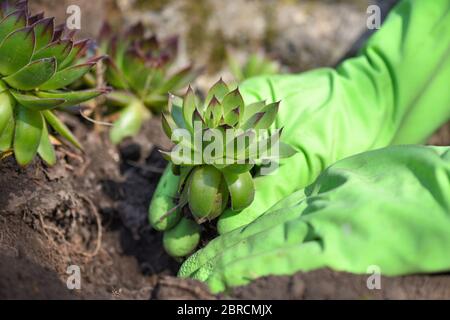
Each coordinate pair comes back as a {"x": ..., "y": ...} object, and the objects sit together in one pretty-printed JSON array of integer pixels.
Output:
[{"x": 90, "y": 210}]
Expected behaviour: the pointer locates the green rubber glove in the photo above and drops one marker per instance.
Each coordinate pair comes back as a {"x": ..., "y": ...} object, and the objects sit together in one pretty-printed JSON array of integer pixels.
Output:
[
  {"x": 395, "y": 92},
  {"x": 389, "y": 208}
]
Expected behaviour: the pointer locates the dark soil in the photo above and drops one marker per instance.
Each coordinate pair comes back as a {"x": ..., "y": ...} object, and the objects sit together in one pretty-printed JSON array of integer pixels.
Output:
[{"x": 90, "y": 210}]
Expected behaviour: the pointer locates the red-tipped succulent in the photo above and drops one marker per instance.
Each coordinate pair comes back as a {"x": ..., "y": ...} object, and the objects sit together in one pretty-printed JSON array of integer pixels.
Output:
[
  {"x": 38, "y": 61},
  {"x": 138, "y": 70}
]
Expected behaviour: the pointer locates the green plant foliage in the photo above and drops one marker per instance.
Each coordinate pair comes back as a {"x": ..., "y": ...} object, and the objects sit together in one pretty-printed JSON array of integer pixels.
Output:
[
  {"x": 214, "y": 178},
  {"x": 38, "y": 60},
  {"x": 255, "y": 65},
  {"x": 138, "y": 70}
]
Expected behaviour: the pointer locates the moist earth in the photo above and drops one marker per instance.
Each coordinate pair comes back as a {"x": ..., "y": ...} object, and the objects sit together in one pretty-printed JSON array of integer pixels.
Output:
[{"x": 90, "y": 210}]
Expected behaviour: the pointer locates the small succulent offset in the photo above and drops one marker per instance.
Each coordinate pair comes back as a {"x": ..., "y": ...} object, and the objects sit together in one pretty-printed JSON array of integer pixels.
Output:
[
  {"x": 138, "y": 70},
  {"x": 37, "y": 61},
  {"x": 215, "y": 174}
]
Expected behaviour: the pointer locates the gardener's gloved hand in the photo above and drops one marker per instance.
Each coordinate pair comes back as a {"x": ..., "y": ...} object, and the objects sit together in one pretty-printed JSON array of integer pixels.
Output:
[
  {"x": 389, "y": 208},
  {"x": 395, "y": 92}
]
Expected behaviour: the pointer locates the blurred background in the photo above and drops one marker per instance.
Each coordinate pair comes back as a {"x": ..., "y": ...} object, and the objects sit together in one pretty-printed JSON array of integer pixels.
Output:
[{"x": 298, "y": 34}]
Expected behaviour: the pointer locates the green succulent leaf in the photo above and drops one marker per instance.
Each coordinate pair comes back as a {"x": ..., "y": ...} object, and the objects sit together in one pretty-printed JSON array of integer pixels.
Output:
[
  {"x": 43, "y": 30},
  {"x": 36, "y": 103},
  {"x": 28, "y": 133},
  {"x": 120, "y": 98},
  {"x": 213, "y": 113},
  {"x": 185, "y": 171},
  {"x": 168, "y": 125},
  {"x": 231, "y": 102},
  {"x": 156, "y": 102},
  {"x": 46, "y": 150},
  {"x": 15, "y": 20},
  {"x": 189, "y": 108},
  {"x": 66, "y": 76},
  {"x": 203, "y": 189},
  {"x": 6, "y": 110},
  {"x": 129, "y": 122},
  {"x": 179, "y": 80},
  {"x": 61, "y": 128},
  {"x": 176, "y": 111},
  {"x": 135, "y": 71},
  {"x": 16, "y": 50},
  {"x": 71, "y": 98},
  {"x": 219, "y": 90},
  {"x": 241, "y": 188},
  {"x": 270, "y": 113},
  {"x": 33, "y": 75},
  {"x": 78, "y": 49},
  {"x": 59, "y": 50},
  {"x": 251, "y": 110},
  {"x": 7, "y": 135},
  {"x": 252, "y": 121},
  {"x": 114, "y": 76}
]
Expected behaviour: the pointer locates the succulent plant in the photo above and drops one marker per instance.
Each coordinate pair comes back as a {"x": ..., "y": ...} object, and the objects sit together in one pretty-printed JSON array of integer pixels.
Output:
[
  {"x": 214, "y": 172},
  {"x": 255, "y": 65},
  {"x": 138, "y": 70},
  {"x": 38, "y": 60}
]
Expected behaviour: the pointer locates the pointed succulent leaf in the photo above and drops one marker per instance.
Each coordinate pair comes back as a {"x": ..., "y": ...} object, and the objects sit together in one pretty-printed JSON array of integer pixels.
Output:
[
  {"x": 214, "y": 110},
  {"x": 33, "y": 75},
  {"x": 11, "y": 22},
  {"x": 34, "y": 18},
  {"x": 270, "y": 113},
  {"x": 6, "y": 110},
  {"x": 251, "y": 110},
  {"x": 16, "y": 50},
  {"x": 179, "y": 80},
  {"x": 176, "y": 111},
  {"x": 36, "y": 103},
  {"x": 59, "y": 50},
  {"x": 252, "y": 121},
  {"x": 189, "y": 108},
  {"x": 46, "y": 150},
  {"x": 219, "y": 89},
  {"x": 71, "y": 98},
  {"x": 61, "y": 128},
  {"x": 58, "y": 31},
  {"x": 232, "y": 118},
  {"x": 232, "y": 101},
  {"x": 6, "y": 137},
  {"x": 135, "y": 71},
  {"x": 43, "y": 30},
  {"x": 78, "y": 49},
  {"x": 27, "y": 135},
  {"x": 67, "y": 76},
  {"x": 168, "y": 125},
  {"x": 129, "y": 122},
  {"x": 114, "y": 76},
  {"x": 176, "y": 157}
]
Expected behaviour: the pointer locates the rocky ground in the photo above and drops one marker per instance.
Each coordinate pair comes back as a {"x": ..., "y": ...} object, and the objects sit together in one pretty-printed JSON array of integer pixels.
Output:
[{"x": 90, "y": 209}]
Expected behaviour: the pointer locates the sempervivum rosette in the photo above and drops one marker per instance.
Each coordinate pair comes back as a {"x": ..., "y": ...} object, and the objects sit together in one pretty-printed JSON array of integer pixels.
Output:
[
  {"x": 138, "y": 70},
  {"x": 37, "y": 62},
  {"x": 220, "y": 142}
]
